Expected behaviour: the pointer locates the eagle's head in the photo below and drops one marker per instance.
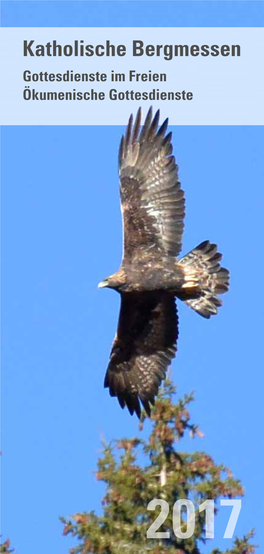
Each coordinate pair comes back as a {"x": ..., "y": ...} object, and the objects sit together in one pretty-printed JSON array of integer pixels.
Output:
[
  {"x": 115, "y": 281},
  {"x": 104, "y": 283}
]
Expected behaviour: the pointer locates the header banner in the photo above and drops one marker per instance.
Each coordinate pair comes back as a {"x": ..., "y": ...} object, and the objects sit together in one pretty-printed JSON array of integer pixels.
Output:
[{"x": 96, "y": 76}]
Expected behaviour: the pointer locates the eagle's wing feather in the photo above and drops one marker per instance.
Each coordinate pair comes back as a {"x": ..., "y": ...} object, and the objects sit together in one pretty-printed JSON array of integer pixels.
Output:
[
  {"x": 152, "y": 201},
  {"x": 143, "y": 348}
]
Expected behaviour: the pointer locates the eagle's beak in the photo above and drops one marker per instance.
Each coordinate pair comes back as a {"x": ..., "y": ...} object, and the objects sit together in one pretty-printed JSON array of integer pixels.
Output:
[{"x": 103, "y": 284}]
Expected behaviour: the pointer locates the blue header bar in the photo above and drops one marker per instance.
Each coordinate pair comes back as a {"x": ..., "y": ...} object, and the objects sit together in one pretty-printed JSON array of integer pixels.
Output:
[{"x": 132, "y": 13}]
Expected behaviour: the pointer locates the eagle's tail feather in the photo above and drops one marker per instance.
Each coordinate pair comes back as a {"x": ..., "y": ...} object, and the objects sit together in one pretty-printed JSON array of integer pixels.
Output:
[{"x": 205, "y": 279}]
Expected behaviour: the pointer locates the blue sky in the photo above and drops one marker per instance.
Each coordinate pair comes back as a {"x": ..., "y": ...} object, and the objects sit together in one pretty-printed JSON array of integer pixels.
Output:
[{"x": 61, "y": 235}]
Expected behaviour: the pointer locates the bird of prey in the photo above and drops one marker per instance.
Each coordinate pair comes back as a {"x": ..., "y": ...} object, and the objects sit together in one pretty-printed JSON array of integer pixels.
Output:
[{"x": 151, "y": 276}]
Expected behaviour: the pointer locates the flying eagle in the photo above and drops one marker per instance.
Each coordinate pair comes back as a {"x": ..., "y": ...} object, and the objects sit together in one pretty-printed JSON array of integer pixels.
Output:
[{"x": 151, "y": 276}]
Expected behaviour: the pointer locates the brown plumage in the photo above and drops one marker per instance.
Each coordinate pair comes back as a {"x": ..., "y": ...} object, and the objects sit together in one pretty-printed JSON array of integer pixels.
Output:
[{"x": 150, "y": 276}]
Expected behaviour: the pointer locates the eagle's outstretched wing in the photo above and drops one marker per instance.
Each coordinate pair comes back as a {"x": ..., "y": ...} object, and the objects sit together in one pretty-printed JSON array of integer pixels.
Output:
[
  {"x": 143, "y": 348},
  {"x": 152, "y": 201}
]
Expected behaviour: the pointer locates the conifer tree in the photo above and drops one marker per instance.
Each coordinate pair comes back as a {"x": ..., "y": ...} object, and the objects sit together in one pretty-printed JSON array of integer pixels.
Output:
[
  {"x": 165, "y": 473},
  {"x": 5, "y": 547}
]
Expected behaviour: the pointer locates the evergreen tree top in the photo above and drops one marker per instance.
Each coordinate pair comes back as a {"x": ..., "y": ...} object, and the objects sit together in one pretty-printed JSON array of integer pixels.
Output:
[{"x": 164, "y": 472}]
